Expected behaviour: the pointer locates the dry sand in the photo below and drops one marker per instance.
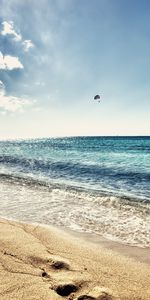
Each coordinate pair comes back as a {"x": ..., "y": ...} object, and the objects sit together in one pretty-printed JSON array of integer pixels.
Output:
[{"x": 40, "y": 263}]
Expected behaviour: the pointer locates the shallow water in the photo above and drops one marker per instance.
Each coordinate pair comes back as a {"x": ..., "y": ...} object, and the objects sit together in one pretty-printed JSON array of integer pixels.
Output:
[{"x": 97, "y": 185}]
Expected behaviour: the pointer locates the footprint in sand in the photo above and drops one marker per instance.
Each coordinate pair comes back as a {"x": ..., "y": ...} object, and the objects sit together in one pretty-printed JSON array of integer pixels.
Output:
[
  {"x": 97, "y": 293},
  {"x": 68, "y": 289},
  {"x": 46, "y": 264},
  {"x": 100, "y": 297},
  {"x": 58, "y": 265}
]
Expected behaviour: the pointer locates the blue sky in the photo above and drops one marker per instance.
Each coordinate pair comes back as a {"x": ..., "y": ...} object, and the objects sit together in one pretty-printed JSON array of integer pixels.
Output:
[{"x": 55, "y": 55}]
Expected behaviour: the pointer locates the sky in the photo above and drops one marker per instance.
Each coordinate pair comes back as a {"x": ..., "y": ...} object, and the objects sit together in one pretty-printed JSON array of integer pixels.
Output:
[{"x": 56, "y": 55}]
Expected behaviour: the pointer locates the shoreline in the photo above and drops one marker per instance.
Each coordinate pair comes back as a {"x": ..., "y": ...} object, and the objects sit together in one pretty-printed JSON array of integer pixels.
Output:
[
  {"x": 114, "y": 217},
  {"x": 43, "y": 262},
  {"x": 140, "y": 254}
]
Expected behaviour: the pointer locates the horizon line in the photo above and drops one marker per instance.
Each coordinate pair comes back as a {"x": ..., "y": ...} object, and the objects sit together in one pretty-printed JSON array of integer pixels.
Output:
[{"x": 70, "y": 136}]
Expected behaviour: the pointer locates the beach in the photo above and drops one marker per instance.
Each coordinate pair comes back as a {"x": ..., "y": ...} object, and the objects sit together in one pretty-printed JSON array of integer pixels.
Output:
[
  {"x": 47, "y": 263},
  {"x": 74, "y": 150},
  {"x": 75, "y": 219}
]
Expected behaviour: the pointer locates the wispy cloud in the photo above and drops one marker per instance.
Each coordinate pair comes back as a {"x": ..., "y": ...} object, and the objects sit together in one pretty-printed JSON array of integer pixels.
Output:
[
  {"x": 10, "y": 103},
  {"x": 27, "y": 45},
  {"x": 8, "y": 29},
  {"x": 9, "y": 62}
]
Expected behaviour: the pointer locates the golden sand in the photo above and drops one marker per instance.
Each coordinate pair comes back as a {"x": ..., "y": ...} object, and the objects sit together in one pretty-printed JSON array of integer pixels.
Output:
[{"x": 48, "y": 264}]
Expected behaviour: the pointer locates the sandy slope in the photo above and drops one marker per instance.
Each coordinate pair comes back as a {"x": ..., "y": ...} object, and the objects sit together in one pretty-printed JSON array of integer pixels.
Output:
[{"x": 37, "y": 263}]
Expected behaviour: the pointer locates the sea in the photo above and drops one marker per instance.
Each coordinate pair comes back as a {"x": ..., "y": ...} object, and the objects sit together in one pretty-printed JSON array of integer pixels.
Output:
[{"x": 93, "y": 185}]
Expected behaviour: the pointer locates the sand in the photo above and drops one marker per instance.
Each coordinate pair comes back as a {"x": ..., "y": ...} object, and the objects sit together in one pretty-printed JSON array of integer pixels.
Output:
[{"x": 49, "y": 264}]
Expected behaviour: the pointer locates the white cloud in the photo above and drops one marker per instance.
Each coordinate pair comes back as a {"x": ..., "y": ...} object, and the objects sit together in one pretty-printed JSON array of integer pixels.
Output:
[
  {"x": 8, "y": 28},
  {"x": 9, "y": 62},
  {"x": 27, "y": 45},
  {"x": 11, "y": 103}
]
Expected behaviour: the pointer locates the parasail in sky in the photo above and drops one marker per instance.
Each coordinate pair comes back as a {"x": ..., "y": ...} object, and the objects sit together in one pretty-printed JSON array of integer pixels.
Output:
[{"x": 97, "y": 97}]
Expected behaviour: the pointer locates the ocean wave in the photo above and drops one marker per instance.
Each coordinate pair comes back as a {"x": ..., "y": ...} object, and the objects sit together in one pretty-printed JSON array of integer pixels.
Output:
[
  {"x": 74, "y": 168},
  {"x": 35, "y": 182},
  {"x": 121, "y": 219},
  {"x": 128, "y": 182}
]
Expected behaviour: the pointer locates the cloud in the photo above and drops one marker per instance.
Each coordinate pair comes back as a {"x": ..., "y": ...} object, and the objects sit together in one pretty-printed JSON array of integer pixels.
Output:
[
  {"x": 9, "y": 62},
  {"x": 8, "y": 28},
  {"x": 27, "y": 45},
  {"x": 11, "y": 103}
]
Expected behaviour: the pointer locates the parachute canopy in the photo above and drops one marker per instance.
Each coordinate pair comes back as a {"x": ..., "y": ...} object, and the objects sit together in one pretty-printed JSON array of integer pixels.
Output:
[{"x": 97, "y": 97}]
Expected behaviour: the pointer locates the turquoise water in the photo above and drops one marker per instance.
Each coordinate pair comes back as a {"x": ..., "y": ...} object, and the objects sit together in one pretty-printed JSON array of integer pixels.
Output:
[{"x": 98, "y": 185}]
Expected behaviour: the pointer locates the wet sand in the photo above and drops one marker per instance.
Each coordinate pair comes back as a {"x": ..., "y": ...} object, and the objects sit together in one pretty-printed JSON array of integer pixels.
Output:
[
  {"x": 41, "y": 263},
  {"x": 140, "y": 254}
]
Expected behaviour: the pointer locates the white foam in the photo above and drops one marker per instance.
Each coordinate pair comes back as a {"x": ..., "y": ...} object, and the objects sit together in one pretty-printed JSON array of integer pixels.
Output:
[{"x": 107, "y": 216}]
